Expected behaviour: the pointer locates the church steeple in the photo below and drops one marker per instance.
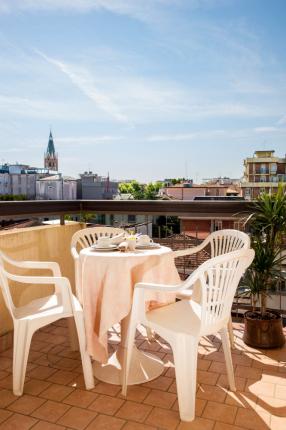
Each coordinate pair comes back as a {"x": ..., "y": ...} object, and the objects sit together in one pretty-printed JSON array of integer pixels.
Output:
[{"x": 51, "y": 157}]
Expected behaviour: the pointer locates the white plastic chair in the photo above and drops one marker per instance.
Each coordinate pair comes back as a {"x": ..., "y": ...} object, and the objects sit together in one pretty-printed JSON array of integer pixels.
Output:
[
  {"x": 220, "y": 242},
  {"x": 39, "y": 313},
  {"x": 184, "y": 322},
  {"x": 83, "y": 239}
]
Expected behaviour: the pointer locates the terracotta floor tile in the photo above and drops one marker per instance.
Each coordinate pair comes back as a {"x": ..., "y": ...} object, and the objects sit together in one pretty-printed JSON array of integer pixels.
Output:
[
  {"x": 106, "y": 404},
  {"x": 50, "y": 411},
  {"x": 280, "y": 392},
  {"x": 137, "y": 426},
  {"x": 18, "y": 422},
  {"x": 4, "y": 414},
  {"x": 197, "y": 424},
  {"x": 217, "y": 366},
  {"x": 278, "y": 423},
  {"x": 80, "y": 398},
  {"x": 260, "y": 387},
  {"x": 173, "y": 388},
  {"x": 248, "y": 372},
  {"x": 108, "y": 389},
  {"x": 6, "y": 363},
  {"x": 161, "y": 383},
  {"x": 26, "y": 404},
  {"x": 249, "y": 419},
  {"x": 161, "y": 399},
  {"x": 240, "y": 399},
  {"x": 136, "y": 392},
  {"x": 204, "y": 364},
  {"x": 223, "y": 426},
  {"x": 200, "y": 405},
  {"x": 134, "y": 411},
  {"x": 6, "y": 382},
  {"x": 62, "y": 377},
  {"x": 67, "y": 363},
  {"x": 41, "y": 372},
  {"x": 6, "y": 398},
  {"x": 163, "y": 418},
  {"x": 210, "y": 392},
  {"x": 239, "y": 382},
  {"x": 43, "y": 425},
  {"x": 204, "y": 377},
  {"x": 77, "y": 418},
  {"x": 104, "y": 422},
  {"x": 220, "y": 412},
  {"x": 35, "y": 386},
  {"x": 272, "y": 405},
  {"x": 56, "y": 392}
]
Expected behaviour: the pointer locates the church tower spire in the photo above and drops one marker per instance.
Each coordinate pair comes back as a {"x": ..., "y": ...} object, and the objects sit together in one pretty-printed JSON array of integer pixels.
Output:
[{"x": 51, "y": 157}]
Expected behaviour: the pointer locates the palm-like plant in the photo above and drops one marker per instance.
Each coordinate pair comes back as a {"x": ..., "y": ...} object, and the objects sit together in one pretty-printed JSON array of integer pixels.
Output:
[{"x": 268, "y": 227}]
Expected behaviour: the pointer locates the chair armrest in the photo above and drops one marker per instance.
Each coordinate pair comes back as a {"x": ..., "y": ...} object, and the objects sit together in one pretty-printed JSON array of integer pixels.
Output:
[
  {"x": 36, "y": 279},
  {"x": 158, "y": 287},
  {"x": 191, "y": 251},
  {"x": 50, "y": 265},
  {"x": 74, "y": 253}
]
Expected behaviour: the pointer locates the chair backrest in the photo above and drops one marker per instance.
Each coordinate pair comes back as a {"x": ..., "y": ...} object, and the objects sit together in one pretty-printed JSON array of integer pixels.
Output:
[
  {"x": 4, "y": 284},
  {"x": 218, "y": 279},
  {"x": 88, "y": 236},
  {"x": 228, "y": 240}
]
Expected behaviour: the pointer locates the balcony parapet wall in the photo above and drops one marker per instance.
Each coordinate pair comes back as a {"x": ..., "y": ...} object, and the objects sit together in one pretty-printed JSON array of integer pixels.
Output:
[{"x": 43, "y": 243}]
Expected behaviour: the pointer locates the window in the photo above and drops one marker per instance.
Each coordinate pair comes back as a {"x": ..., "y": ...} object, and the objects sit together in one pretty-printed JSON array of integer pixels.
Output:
[
  {"x": 273, "y": 168},
  {"x": 217, "y": 225},
  {"x": 262, "y": 179},
  {"x": 263, "y": 168},
  {"x": 131, "y": 219}
]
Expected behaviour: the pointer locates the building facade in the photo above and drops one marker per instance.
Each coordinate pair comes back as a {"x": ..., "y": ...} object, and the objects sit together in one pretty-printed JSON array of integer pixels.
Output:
[
  {"x": 19, "y": 179},
  {"x": 51, "y": 157},
  {"x": 56, "y": 187},
  {"x": 94, "y": 187},
  {"x": 263, "y": 173}
]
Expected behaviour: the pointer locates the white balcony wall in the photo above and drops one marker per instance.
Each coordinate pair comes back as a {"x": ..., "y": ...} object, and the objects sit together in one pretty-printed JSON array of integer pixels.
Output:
[{"x": 44, "y": 243}]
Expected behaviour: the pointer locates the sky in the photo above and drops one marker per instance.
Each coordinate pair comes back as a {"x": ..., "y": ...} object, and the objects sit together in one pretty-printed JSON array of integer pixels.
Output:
[{"x": 143, "y": 89}]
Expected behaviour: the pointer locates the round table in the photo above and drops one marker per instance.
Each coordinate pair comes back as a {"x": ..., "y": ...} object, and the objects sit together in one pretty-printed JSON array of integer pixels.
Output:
[{"x": 108, "y": 280}]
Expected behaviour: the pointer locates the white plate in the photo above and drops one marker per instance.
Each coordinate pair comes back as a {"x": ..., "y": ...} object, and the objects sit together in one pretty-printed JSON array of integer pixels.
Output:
[
  {"x": 148, "y": 246},
  {"x": 105, "y": 248}
]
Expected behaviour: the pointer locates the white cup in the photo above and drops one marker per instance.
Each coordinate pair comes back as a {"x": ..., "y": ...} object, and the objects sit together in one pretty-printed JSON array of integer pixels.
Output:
[
  {"x": 103, "y": 242},
  {"x": 131, "y": 241},
  {"x": 144, "y": 239}
]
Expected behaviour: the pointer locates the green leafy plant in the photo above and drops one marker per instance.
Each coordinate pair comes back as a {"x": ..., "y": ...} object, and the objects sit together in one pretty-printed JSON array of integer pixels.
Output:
[{"x": 268, "y": 227}]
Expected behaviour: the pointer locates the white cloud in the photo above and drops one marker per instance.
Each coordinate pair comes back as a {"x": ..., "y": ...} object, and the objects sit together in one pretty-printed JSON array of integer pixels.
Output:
[
  {"x": 81, "y": 78},
  {"x": 266, "y": 129}
]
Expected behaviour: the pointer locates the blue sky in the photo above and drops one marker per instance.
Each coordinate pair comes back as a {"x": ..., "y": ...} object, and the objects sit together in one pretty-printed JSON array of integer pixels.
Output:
[{"x": 144, "y": 89}]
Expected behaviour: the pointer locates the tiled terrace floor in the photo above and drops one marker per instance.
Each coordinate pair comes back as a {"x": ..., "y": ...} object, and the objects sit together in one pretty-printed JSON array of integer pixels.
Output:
[{"x": 55, "y": 399}]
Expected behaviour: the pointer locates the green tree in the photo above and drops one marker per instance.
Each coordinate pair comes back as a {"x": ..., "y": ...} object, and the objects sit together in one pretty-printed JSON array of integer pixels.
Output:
[{"x": 140, "y": 191}]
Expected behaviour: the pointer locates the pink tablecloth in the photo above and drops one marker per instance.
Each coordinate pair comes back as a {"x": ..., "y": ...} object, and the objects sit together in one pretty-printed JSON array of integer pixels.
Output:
[{"x": 108, "y": 280}]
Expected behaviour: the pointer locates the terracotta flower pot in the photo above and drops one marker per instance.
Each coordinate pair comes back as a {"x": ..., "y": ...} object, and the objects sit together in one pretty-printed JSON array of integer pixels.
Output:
[{"x": 263, "y": 333}]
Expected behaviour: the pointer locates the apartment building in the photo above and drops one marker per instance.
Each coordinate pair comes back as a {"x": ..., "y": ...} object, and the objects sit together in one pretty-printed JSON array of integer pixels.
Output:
[{"x": 263, "y": 173}]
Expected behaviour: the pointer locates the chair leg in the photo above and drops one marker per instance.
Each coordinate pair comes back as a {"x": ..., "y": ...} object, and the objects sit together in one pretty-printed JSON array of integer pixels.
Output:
[
  {"x": 150, "y": 335},
  {"x": 185, "y": 350},
  {"x": 128, "y": 355},
  {"x": 74, "y": 344},
  {"x": 230, "y": 332},
  {"x": 22, "y": 342},
  {"x": 228, "y": 358},
  {"x": 85, "y": 358}
]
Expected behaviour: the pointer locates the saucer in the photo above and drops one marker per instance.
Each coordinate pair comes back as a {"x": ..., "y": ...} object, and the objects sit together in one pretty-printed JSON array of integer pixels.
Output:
[
  {"x": 105, "y": 248},
  {"x": 151, "y": 245}
]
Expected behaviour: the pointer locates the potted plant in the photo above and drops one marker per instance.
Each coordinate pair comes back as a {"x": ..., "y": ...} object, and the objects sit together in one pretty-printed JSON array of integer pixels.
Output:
[{"x": 263, "y": 327}]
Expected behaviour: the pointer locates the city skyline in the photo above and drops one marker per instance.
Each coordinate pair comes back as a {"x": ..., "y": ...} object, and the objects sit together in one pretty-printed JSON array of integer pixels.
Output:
[{"x": 145, "y": 89}]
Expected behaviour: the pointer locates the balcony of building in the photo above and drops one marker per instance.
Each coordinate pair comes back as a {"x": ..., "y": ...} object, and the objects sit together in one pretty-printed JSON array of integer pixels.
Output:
[{"x": 54, "y": 395}]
